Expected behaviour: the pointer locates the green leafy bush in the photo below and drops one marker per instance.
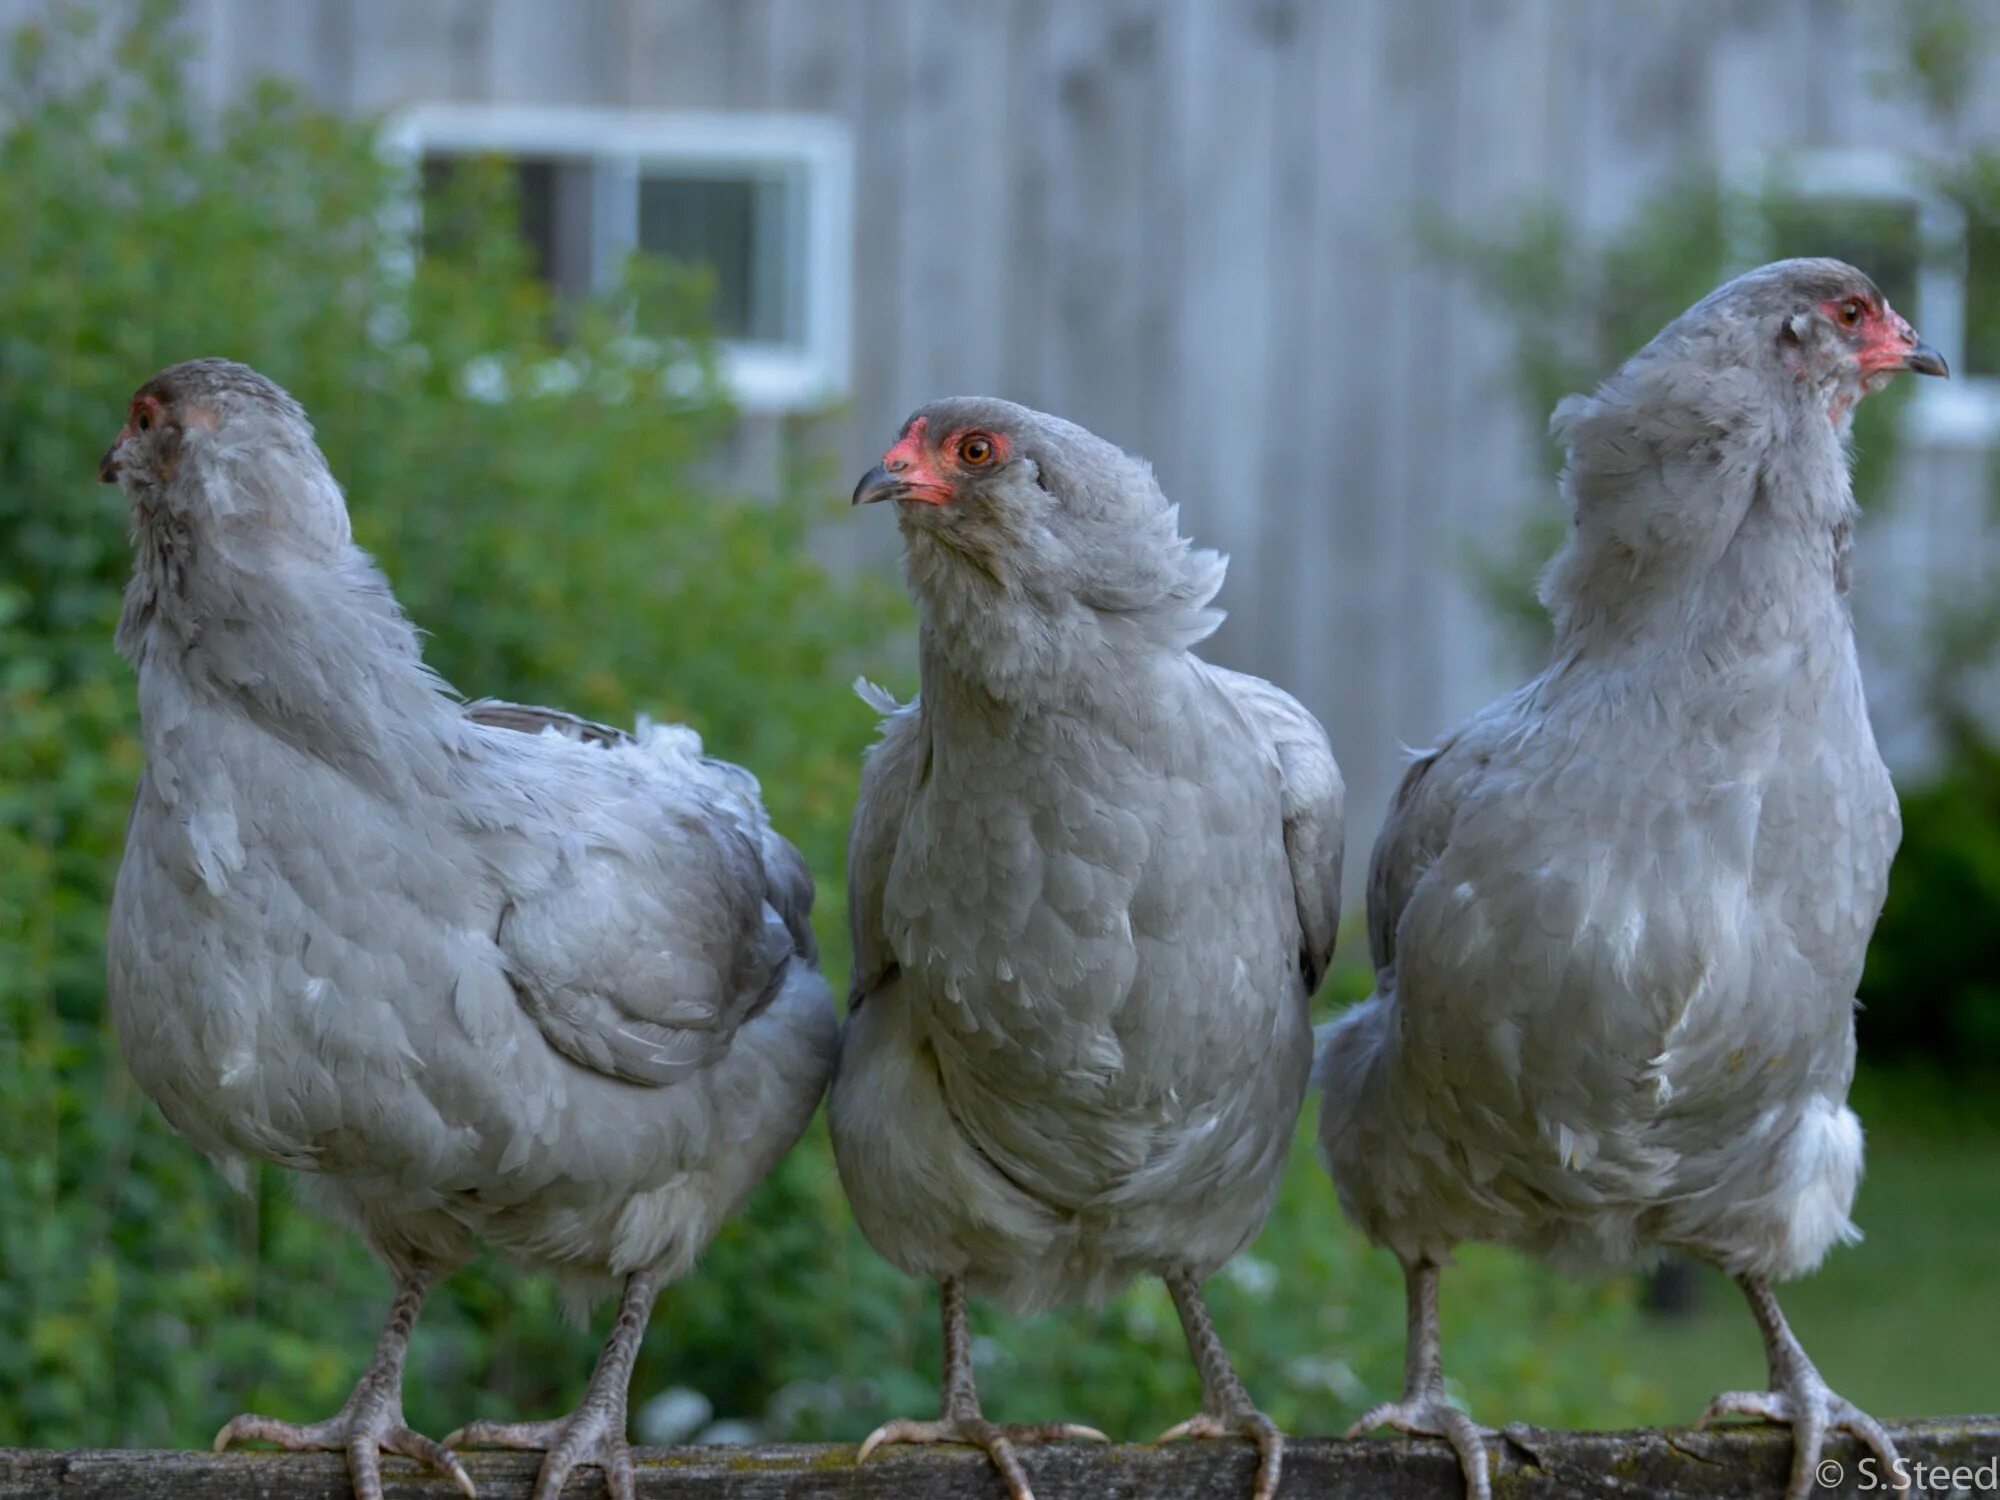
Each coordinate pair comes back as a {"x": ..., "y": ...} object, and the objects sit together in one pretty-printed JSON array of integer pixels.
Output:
[{"x": 1933, "y": 986}]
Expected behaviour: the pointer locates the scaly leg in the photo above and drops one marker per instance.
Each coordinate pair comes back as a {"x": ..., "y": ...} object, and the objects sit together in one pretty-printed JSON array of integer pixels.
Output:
[
  {"x": 1226, "y": 1408},
  {"x": 1424, "y": 1411},
  {"x": 371, "y": 1421},
  {"x": 1801, "y": 1397},
  {"x": 959, "y": 1417},
  {"x": 595, "y": 1432}
]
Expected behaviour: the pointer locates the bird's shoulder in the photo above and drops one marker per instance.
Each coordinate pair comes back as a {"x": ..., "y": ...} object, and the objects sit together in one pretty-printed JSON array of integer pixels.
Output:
[
  {"x": 646, "y": 909},
  {"x": 891, "y": 770},
  {"x": 891, "y": 773},
  {"x": 1294, "y": 735},
  {"x": 1479, "y": 757},
  {"x": 1312, "y": 798}
]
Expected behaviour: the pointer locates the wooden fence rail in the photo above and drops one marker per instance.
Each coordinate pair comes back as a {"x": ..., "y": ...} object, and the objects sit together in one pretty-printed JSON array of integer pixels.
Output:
[{"x": 1959, "y": 1456}]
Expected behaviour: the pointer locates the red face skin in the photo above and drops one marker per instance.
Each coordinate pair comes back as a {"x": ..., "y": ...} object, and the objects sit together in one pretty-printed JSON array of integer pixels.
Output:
[
  {"x": 146, "y": 412},
  {"x": 1886, "y": 336},
  {"x": 923, "y": 471}
]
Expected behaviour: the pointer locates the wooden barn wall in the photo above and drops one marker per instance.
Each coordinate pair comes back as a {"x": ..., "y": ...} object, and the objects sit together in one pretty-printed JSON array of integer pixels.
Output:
[{"x": 1187, "y": 224}]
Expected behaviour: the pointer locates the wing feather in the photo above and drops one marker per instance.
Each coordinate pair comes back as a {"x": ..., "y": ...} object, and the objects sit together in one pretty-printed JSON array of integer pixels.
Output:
[
  {"x": 670, "y": 911},
  {"x": 894, "y": 770},
  {"x": 1314, "y": 802}
]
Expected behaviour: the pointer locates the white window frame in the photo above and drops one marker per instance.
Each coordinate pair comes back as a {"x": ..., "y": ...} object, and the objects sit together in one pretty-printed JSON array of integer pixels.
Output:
[
  {"x": 620, "y": 145},
  {"x": 1963, "y": 411}
]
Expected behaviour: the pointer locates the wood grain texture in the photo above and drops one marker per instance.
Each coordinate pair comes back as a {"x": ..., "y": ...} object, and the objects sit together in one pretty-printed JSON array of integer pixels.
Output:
[{"x": 1530, "y": 1464}]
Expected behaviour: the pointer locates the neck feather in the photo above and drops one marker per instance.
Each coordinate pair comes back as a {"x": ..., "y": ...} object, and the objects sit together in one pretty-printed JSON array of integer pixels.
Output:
[
  {"x": 312, "y": 649},
  {"x": 1027, "y": 640},
  {"x": 1710, "y": 538}
]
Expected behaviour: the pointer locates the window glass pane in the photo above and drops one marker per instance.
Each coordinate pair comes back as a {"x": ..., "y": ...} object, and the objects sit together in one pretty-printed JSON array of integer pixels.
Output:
[
  {"x": 739, "y": 228},
  {"x": 1879, "y": 235},
  {"x": 532, "y": 186}
]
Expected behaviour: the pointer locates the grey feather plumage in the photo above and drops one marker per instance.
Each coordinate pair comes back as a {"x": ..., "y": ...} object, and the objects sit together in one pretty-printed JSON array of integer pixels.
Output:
[
  {"x": 421, "y": 951},
  {"x": 1617, "y": 918},
  {"x": 1087, "y": 872},
  {"x": 1093, "y": 882}
]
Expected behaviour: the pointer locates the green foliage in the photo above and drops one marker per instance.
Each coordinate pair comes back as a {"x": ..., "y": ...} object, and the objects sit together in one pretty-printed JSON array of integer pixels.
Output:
[
  {"x": 1932, "y": 985},
  {"x": 1943, "y": 44}
]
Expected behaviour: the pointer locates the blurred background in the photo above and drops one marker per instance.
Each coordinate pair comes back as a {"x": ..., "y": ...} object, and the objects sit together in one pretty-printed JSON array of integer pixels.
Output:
[{"x": 601, "y": 307}]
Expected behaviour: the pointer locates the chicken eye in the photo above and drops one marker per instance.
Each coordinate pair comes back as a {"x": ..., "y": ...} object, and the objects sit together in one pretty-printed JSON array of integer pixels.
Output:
[
  {"x": 977, "y": 449},
  {"x": 1850, "y": 311},
  {"x": 144, "y": 421}
]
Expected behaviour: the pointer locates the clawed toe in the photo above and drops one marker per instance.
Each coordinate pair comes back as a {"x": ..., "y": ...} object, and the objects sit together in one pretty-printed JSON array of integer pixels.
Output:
[
  {"x": 363, "y": 1438},
  {"x": 1433, "y": 1416},
  {"x": 976, "y": 1433},
  {"x": 904, "y": 1430},
  {"x": 1812, "y": 1410},
  {"x": 1051, "y": 1432},
  {"x": 1249, "y": 1423},
  {"x": 505, "y": 1435},
  {"x": 426, "y": 1450},
  {"x": 1382, "y": 1414},
  {"x": 294, "y": 1436},
  {"x": 585, "y": 1438},
  {"x": 995, "y": 1440},
  {"x": 1759, "y": 1406}
]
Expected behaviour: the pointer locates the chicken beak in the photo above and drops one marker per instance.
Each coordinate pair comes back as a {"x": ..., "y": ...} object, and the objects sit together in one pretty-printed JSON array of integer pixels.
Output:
[
  {"x": 879, "y": 484},
  {"x": 107, "y": 466},
  {"x": 1925, "y": 360}
]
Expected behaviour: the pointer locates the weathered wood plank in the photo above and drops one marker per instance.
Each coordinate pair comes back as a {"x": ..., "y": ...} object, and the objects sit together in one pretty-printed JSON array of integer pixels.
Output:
[
  {"x": 1103, "y": 69},
  {"x": 383, "y": 54},
  {"x": 1529, "y": 1463},
  {"x": 1226, "y": 333},
  {"x": 954, "y": 144},
  {"x": 1289, "y": 476},
  {"x": 1348, "y": 655},
  {"x": 1410, "y": 347},
  {"x": 538, "y": 54}
]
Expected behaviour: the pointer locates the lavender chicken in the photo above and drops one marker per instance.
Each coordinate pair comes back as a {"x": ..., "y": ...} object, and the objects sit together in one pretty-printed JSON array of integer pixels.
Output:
[
  {"x": 1094, "y": 882},
  {"x": 482, "y": 973},
  {"x": 1618, "y": 917}
]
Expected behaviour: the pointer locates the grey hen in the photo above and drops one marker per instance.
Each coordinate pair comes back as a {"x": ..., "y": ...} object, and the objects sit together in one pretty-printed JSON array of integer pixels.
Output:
[
  {"x": 1093, "y": 882},
  {"x": 1618, "y": 917},
  {"x": 554, "y": 991}
]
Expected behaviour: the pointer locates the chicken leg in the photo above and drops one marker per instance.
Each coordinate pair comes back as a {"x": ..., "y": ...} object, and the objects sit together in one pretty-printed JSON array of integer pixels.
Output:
[
  {"x": 1226, "y": 1408},
  {"x": 959, "y": 1418},
  {"x": 595, "y": 1432},
  {"x": 1424, "y": 1411},
  {"x": 1800, "y": 1396},
  {"x": 371, "y": 1422}
]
